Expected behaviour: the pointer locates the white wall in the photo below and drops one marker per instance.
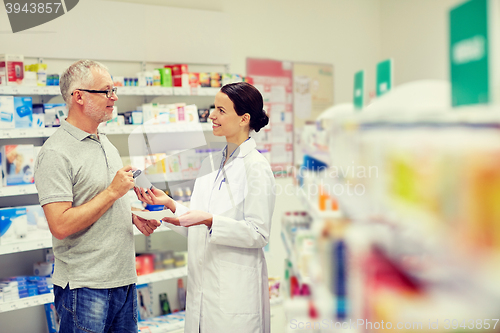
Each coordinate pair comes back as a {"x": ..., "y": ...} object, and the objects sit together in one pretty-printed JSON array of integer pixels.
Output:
[
  {"x": 344, "y": 33},
  {"x": 416, "y": 34}
]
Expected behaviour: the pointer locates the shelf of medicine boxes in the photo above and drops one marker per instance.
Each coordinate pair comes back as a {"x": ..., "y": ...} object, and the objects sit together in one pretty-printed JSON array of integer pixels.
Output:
[
  {"x": 133, "y": 91},
  {"x": 46, "y": 242},
  {"x": 27, "y": 302},
  {"x": 18, "y": 133}
]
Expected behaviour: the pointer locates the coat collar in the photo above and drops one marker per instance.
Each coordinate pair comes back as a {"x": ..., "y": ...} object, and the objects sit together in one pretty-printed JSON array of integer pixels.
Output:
[{"x": 243, "y": 150}]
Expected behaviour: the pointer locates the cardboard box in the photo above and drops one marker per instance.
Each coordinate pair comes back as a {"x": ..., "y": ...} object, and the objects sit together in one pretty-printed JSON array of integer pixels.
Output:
[
  {"x": 11, "y": 69},
  {"x": 7, "y": 112},
  {"x": 18, "y": 162},
  {"x": 52, "y": 112},
  {"x": 38, "y": 116},
  {"x": 204, "y": 79},
  {"x": 194, "y": 80},
  {"x": 13, "y": 224},
  {"x": 23, "y": 116},
  {"x": 215, "y": 80},
  {"x": 166, "y": 76},
  {"x": 191, "y": 113}
]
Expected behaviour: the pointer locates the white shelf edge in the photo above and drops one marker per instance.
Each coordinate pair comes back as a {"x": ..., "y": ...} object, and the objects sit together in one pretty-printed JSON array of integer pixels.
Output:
[
  {"x": 10, "y": 191},
  {"x": 42, "y": 243},
  {"x": 122, "y": 91},
  {"x": 163, "y": 275},
  {"x": 26, "y": 302},
  {"x": 276, "y": 301}
]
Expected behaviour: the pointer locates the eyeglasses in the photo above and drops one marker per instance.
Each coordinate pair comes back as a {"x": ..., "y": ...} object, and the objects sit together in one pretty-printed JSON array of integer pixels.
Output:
[{"x": 108, "y": 92}]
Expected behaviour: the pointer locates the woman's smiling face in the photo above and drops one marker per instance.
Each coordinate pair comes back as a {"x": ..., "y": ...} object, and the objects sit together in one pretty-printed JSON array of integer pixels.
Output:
[{"x": 226, "y": 121}]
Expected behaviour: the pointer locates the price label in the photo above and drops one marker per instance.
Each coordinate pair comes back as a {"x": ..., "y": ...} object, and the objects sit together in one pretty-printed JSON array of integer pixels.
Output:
[
  {"x": 45, "y": 91},
  {"x": 23, "y": 134},
  {"x": 141, "y": 91},
  {"x": 22, "y": 190},
  {"x": 36, "y": 91},
  {"x": 194, "y": 91},
  {"x": 13, "y": 306},
  {"x": 36, "y": 301}
]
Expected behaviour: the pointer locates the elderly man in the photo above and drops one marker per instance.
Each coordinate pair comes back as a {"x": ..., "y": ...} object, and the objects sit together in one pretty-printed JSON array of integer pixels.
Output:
[{"x": 82, "y": 187}]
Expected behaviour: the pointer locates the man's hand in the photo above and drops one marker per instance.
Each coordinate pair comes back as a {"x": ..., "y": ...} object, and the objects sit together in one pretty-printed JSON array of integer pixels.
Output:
[
  {"x": 122, "y": 183},
  {"x": 145, "y": 226},
  {"x": 191, "y": 218}
]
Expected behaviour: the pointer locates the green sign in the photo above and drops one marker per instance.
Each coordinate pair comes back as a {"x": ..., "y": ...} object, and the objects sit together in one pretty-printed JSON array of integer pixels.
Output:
[
  {"x": 384, "y": 76},
  {"x": 469, "y": 53},
  {"x": 359, "y": 81}
]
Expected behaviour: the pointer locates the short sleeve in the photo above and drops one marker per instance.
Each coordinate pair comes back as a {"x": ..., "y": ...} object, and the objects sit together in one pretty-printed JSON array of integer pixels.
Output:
[{"x": 53, "y": 177}]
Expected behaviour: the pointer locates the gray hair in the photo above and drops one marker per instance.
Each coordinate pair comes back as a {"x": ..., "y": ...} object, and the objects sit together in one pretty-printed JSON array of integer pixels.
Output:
[{"x": 78, "y": 75}]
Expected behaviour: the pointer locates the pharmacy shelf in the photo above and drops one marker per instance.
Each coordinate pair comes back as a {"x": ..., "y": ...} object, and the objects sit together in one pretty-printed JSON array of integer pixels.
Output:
[
  {"x": 122, "y": 91},
  {"x": 49, "y": 298},
  {"x": 29, "y": 90},
  {"x": 172, "y": 127},
  {"x": 19, "y": 133},
  {"x": 168, "y": 274},
  {"x": 313, "y": 209},
  {"x": 44, "y": 243},
  {"x": 29, "y": 245},
  {"x": 26, "y": 302}
]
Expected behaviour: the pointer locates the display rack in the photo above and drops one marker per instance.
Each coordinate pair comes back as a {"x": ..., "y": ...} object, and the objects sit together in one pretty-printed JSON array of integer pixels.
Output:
[
  {"x": 49, "y": 298},
  {"x": 127, "y": 91},
  {"x": 20, "y": 133}
]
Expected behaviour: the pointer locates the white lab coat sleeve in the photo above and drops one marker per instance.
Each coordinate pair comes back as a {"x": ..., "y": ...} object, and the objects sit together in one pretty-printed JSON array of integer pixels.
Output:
[
  {"x": 179, "y": 210},
  {"x": 253, "y": 231}
]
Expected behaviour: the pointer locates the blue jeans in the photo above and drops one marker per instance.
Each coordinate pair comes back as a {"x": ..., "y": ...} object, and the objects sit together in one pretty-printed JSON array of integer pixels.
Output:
[{"x": 96, "y": 310}]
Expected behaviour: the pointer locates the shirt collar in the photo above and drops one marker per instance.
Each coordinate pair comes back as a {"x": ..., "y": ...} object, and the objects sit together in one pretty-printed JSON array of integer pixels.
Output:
[
  {"x": 76, "y": 132},
  {"x": 246, "y": 147}
]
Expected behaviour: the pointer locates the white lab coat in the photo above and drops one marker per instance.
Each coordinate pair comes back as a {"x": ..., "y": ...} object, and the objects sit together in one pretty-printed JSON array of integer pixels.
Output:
[{"x": 228, "y": 289}]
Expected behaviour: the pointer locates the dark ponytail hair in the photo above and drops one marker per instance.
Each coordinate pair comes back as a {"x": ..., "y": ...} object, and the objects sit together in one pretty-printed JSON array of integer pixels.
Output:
[{"x": 247, "y": 99}]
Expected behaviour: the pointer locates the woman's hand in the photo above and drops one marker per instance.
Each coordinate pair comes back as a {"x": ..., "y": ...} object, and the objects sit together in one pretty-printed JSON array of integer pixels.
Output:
[
  {"x": 191, "y": 218},
  {"x": 153, "y": 196}
]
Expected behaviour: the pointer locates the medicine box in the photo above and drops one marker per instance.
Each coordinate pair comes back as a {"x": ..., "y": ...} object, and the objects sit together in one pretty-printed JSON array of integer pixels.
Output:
[
  {"x": 38, "y": 116},
  {"x": 204, "y": 79},
  {"x": 194, "y": 80},
  {"x": 23, "y": 115},
  {"x": 52, "y": 112},
  {"x": 13, "y": 224},
  {"x": 166, "y": 76},
  {"x": 11, "y": 69},
  {"x": 18, "y": 162},
  {"x": 215, "y": 80},
  {"x": 7, "y": 112}
]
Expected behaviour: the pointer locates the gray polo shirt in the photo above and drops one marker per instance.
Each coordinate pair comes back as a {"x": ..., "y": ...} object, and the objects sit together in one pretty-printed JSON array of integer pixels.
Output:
[{"x": 75, "y": 166}]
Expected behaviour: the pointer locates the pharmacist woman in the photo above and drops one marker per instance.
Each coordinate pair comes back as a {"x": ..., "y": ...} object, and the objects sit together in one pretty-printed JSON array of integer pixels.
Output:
[{"x": 228, "y": 223}]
